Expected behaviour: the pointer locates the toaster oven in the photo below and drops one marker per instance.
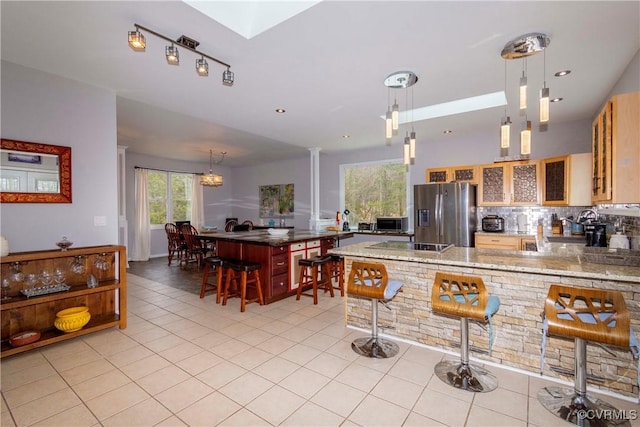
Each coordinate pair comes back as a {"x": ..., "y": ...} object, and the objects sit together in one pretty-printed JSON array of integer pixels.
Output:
[{"x": 493, "y": 224}]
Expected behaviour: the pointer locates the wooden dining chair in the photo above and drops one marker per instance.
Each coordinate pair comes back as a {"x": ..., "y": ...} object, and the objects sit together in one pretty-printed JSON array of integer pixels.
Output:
[
  {"x": 175, "y": 242},
  {"x": 195, "y": 250}
]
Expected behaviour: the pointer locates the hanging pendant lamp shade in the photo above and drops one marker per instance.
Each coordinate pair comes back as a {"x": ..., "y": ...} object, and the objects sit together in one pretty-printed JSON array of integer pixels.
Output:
[
  {"x": 525, "y": 138},
  {"x": 211, "y": 179},
  {"x": 505, "y": 132}
]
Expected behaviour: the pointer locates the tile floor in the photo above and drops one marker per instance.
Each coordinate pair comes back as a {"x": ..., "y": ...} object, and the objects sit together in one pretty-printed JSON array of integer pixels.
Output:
[{"x": 183, "y": 361}]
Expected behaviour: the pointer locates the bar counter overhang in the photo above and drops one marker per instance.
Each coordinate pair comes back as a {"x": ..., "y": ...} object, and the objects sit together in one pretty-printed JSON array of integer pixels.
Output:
[{"x": 521, "y": 280}]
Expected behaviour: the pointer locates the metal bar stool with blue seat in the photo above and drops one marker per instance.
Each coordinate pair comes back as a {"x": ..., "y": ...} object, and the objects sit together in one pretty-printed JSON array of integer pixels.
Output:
[
  {"x": 370, "y": 280},
  {"x": 584, "y": 314},
  {"x": 465, "y": 297},
  {"x": 249, "y": 275},
  {"x": 212, "y": 263},
  {"x": 310, "y": 269}
]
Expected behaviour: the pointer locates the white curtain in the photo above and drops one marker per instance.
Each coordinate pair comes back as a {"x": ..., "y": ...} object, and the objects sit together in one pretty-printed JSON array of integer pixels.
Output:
[
  {"x": 197, "y": 205},
  {"x": 141, "y": 244}
]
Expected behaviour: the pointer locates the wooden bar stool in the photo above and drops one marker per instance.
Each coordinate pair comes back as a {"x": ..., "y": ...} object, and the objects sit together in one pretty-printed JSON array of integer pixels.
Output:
[
  {"x": 370, "y": 280},
  {"x": 249, "y": 275},
  {"x": 309, "y": 271},
  {"x": 337, "y": 272},
  {"x": 467, "y": 298},
  {"x": 210, "y": 263},
  {"x": 584, "y": 314}
]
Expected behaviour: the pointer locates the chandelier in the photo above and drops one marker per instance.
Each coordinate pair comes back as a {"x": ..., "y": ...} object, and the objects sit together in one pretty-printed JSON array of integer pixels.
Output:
[
  {"x": 523, "y": 47},
  {"x": 138, "y": 43},
  {"x": 211, "y": 179},
  {"x": 400, "y": 80}
]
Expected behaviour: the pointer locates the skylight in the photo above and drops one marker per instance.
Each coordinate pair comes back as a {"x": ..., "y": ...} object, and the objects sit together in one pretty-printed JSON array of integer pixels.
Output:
[{"x": 250, "y": 18}]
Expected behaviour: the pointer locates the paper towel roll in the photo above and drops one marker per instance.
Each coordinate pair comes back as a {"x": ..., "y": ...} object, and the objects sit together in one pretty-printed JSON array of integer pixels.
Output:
[{"x": 4, "y": 246}]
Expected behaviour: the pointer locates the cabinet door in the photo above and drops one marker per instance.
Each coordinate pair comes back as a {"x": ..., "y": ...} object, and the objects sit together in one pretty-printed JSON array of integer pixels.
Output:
[
  {"x": 555, "y": 182},
  {"x": 493, "y": 185},
  {"x": 437, "y": 175},
  {"x": 525, "y": 184},
  {"x": 601, "y": 146},
  {"x": 528, "y": 244},
  {"x": 465, "y": 174}
]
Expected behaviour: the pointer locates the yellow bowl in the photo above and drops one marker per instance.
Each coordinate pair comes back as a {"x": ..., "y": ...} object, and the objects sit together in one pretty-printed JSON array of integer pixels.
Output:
[{"x": 72, "y": 319}]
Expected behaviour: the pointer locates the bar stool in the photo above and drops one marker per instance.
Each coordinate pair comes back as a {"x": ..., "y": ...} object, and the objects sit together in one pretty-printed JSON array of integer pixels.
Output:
[
  {"x": 212, "y": 262},
  {"x": 309, "y": 271},
  {"x": 465, "y": 297},
  {"x": 337, "y": 272},
  {"x": 370, "y": 280},
  {"x": 584, "y": 314},
  {"x": 249, "y": 275}
]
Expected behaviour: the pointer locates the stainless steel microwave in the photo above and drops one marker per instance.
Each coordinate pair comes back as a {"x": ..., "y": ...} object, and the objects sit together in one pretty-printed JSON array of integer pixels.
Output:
[{"x": 396, "y": 224}]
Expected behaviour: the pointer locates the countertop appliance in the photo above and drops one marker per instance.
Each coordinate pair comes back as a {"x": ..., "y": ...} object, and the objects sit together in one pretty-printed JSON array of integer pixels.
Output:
[
  {"x": 394, "y": 224},
  {"x": 445, "y": 213},
  {"x": 596, "y": 234},
  {"x": 493, "y": 224}
]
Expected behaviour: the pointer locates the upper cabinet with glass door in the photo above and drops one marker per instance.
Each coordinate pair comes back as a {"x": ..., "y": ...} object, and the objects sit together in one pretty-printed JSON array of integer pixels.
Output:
[
  {"x": 616, "y": 151},
  {"x": 453, "y": 173}
]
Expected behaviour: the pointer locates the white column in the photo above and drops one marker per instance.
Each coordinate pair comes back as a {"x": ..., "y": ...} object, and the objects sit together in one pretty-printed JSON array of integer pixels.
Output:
[
  {"x": 314, "y": 203},
  {"x": 123, "y": 226}
]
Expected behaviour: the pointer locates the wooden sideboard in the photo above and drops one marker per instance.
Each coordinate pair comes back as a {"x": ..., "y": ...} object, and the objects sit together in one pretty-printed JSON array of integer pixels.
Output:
[{"x": 107, "y": 302}]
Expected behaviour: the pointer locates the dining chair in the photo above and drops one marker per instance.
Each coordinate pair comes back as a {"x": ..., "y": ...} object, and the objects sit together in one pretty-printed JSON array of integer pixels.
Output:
[
  {"x": 175, "y": 242},
  {"x": 195, "y": 249}
]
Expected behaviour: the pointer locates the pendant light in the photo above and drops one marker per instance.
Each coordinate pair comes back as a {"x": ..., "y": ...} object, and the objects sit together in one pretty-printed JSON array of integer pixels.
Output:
[
  {"x": 505, "y": 123},
  {"x": 211, "y": 179},
  {"x": 544, "y": 93},
  {"x": 523, "y": 86},
  {"x": 520, "y": 48},
  {"x": 171, "y": 53},
  {"x": 525, "y": 138},
  {"x": 399, "y": 80}
]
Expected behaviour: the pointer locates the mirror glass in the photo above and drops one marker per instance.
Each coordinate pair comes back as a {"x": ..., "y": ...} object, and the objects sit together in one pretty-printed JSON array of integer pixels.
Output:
[{"x": 34, "y": 173}]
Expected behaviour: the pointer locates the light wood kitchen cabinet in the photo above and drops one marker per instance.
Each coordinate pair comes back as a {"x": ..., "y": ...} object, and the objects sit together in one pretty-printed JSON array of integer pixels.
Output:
[
  {"x": 616, "y": 151},
  {"x": 566, "y": 180},
  {"x": 508, "y": 242},
  {"x": 107, "y": 302},
  {"x": 508, "y": 184},
  {"x": 453, "y": 173}
]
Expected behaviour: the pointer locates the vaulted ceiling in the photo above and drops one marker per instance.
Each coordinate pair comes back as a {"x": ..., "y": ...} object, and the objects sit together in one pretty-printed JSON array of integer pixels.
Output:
[{"x": 325, "y": 65}]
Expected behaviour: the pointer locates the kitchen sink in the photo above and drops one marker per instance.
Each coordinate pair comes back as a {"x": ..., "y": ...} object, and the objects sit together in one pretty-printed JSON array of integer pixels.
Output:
[
  {"x": 567, "y": 239},
  {"x": 433, "y": 247}
]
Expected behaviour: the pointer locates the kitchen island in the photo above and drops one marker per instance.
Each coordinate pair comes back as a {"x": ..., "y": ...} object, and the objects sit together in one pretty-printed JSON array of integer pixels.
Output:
[
  {"x": 521, "y": 280},
  {"x": 278, "y": 255}
]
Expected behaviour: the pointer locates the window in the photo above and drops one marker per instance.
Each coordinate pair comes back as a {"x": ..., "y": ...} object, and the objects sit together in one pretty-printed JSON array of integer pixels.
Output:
[
  {"x": 374, "y": 189},
  {"x": 169, "y": 197}
]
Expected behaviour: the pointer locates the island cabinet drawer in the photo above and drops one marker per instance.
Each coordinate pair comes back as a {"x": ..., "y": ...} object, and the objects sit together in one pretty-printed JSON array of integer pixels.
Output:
[
  {"x": 298, "y": 246},
  {"x": 276, "y": 250},
  {"x": 497, "y": 242},
  {"x": 279, "y": 284},
  {"x": 280, "y": 264}
]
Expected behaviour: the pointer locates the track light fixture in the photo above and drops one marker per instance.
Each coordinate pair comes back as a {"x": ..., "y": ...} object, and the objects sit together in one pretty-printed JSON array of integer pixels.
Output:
[{"x": 138, "y": 43}]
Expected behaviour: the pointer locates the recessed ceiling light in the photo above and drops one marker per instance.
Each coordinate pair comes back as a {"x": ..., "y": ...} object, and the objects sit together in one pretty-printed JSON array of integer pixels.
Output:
[
  {"x": 280, "y": 110},
  {"x": 345, "y": 136},
  {"x": 562, "y": 73},
  {"x": 556, "y": 100},
  {"x": 447, "y": 131}
]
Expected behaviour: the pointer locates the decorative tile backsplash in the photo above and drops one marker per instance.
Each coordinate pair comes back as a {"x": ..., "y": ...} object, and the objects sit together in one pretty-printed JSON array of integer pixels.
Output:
[{"x": 630, "y": 224}]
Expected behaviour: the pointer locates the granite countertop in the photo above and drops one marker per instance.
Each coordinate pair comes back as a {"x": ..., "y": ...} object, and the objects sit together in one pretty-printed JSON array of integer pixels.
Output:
[
  {"x": 549, "y": 261},
  {"x": 262, "y": 237}
]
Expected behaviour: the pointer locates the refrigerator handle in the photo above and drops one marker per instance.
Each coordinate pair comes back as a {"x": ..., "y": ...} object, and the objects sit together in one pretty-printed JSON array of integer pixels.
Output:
[
  {"x": 438, "y": 215},
  {"x": 441, "y": 231}
]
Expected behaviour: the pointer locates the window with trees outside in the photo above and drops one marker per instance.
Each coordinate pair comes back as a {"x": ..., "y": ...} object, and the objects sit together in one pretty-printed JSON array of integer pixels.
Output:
[
  {"x": 374, "y": 189},
  {"x": 169, "y": 195}
]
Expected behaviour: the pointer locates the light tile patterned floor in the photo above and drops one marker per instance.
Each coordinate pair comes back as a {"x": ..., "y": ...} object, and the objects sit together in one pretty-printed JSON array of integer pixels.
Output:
[{"x": 185, "y": 361}]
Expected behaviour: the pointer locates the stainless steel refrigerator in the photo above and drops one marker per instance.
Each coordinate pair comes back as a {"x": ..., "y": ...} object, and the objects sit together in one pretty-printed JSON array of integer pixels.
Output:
[{"x": 445, "y": 213}]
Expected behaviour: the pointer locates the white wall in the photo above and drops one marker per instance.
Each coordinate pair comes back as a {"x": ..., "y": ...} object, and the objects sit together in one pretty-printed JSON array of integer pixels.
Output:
[{"x": 41, "y": 107}]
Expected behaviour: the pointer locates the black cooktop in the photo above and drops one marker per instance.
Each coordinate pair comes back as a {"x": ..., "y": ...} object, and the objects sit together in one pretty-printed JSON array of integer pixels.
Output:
[{"x": 391, "y": 244}]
